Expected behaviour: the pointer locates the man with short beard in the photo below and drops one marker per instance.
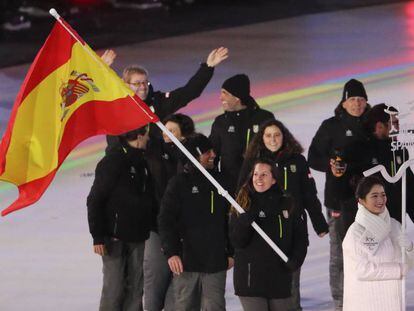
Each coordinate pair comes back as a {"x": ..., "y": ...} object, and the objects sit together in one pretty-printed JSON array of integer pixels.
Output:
[
  {"x": 233, "y": 130},
  {"x": 194, "y": 235}
]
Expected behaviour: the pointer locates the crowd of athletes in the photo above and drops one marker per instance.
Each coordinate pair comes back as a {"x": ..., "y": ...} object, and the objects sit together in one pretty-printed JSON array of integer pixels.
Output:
[{"x": 167, "y": 236}]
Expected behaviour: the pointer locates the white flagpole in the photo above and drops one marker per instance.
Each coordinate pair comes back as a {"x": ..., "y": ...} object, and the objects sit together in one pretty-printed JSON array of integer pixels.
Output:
[
  {"x": 403, "y": 229},
  {"x": 56, "y": 15},
  {"x": 221, "y": 190}
]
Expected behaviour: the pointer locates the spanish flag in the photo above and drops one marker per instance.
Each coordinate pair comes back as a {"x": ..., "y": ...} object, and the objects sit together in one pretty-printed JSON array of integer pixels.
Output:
[{"x": 68, "y": 95}]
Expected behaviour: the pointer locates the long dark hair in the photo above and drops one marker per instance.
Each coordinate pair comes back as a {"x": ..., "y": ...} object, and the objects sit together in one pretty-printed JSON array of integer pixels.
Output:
[
  {"x": 289, "y": 146},
  {"x": 365, "y": 185},
  {"x": 185, "y": 123},
  {"x": 246, "y": 191}
]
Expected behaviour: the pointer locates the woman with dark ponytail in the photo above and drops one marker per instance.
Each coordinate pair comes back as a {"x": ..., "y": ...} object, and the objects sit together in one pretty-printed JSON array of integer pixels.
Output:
[{"x": 262, "y": 280}]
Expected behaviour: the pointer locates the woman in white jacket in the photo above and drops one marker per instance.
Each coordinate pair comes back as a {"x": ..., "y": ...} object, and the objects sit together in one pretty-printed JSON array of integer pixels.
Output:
[{"x": 373, "y": 266}]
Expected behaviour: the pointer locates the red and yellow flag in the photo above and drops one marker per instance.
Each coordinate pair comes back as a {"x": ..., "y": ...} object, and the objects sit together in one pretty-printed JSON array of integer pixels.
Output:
[{"x": 68, "y": 95}]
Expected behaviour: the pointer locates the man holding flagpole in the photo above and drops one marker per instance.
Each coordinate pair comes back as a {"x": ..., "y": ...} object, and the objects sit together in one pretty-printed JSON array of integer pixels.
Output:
[
  {"x": 194, "y": 235},
  {"x": 157, "y": 276}
]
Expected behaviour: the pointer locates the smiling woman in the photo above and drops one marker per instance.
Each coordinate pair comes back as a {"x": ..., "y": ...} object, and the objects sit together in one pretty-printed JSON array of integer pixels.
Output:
[
  {"x": 261, "y": 279},
  {"x": 373, "y": 266},
  {"x": 275, "y": 142}
]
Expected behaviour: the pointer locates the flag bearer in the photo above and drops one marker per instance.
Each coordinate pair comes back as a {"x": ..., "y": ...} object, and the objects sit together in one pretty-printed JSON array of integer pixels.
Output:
[{"x": 193, "y": 231}]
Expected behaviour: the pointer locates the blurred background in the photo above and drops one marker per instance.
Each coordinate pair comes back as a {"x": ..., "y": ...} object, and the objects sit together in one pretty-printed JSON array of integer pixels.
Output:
[{"x": 107, "y": 23}]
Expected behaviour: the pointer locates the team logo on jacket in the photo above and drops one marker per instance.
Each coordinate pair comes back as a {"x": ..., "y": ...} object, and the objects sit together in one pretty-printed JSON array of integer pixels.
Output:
[
  {"x": 231, "y": 129},
  {"x": 374, "y": 161},
  {"x": 256, "y": 128},
  {"x": 370, "y": 243},
  {"x": 262, "y": 214},
  {"x": 348, "y": 133},
  {"x": 285, "y": 213},
  {"x": 165, "y": 156},
  {"x": 399, "y": 161},
  {"x": 132, "y": 170},
  {"x": 194, "y": 189},
  {"x": 293, "y": 168}
]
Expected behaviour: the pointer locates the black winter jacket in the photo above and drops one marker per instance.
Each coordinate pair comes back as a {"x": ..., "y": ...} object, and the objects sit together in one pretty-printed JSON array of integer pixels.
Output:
[
  {"x": 230, "y": 135},
  {"x": 333, "y": 136},
  {"x": 164, "y": 161},
  {"x": 362, "y": 157},
  {"x": 258, "y": 270},
  {"x": 121, "y": 202},
  {"x": 193, "y": 223},
  {"x": 296, "y": 180},
  {"x": 164, "y": 104}
]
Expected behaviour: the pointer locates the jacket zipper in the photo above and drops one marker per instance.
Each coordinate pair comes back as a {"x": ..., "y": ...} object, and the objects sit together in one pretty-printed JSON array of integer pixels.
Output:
[
  {"x": 212, "y": 202},
  {"x": 247, "y": 138},
  {"x": 144, "y": 187},
  {"x": 285, "y": 177},
  {"x": 116, "y": 223},
  {"x": 248, "y": 274},
  {"x": 280, "y": 227}
]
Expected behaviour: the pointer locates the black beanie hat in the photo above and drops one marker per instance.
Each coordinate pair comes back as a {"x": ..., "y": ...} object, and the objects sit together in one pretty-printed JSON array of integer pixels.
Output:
[
  {"x": 198, "y": 144},
  {"x": 239, "y": 86},
  {"x": 353, "y": 88}
]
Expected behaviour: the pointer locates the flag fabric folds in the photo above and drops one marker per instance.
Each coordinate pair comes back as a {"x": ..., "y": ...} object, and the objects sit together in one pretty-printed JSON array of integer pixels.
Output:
[{"x": 68, "y": 95}]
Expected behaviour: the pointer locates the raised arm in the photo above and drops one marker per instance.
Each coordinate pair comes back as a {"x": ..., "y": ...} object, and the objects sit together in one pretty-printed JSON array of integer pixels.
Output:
[
  {"x": 216, "y": 56},
  {"x": 108, "y": 57},
  {"x": 170, "y": 102}
]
